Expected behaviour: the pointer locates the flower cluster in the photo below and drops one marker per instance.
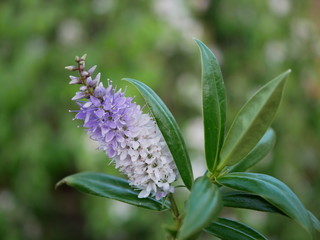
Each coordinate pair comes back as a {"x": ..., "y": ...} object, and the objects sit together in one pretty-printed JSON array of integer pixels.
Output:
[{"x": 129, "y": 137}]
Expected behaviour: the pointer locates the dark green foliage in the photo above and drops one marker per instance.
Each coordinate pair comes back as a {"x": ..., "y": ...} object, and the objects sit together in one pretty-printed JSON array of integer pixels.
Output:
[
  {"x": 227, "y": 229},
  {"x": 202, "y": 207},
  {"x": 252, "y": 121},
  {"x": 260, "y": 151},
  {"x": 213, "y": 106},
  {"x": 238, "y": 199},
  {"x": 107, "y": 186},
  {"x": 273, "y": 191}
]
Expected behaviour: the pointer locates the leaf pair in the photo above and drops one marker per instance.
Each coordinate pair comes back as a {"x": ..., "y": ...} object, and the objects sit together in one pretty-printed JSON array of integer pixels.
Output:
[
  {"x": 275, "y": 192},
  {"x": 249, "y": 125},
  {"x": 238, "y": 199}
]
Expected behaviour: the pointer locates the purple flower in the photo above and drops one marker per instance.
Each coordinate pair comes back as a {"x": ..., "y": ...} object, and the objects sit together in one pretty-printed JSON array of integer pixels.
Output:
[{"x": 129, "y": 137}]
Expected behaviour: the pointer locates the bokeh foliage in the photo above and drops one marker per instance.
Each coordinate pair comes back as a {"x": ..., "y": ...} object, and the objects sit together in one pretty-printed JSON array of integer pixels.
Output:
[{"x": 150, "y": 41}]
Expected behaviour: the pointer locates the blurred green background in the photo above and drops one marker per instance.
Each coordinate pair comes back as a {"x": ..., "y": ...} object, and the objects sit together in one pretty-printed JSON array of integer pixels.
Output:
[{"x": 150, "y": 41}]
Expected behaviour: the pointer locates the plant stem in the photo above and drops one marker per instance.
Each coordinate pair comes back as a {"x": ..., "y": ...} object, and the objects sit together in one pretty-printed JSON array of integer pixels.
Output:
[
  {"x": 174, "y": 207},
  {"x": 177, "y": 218}
]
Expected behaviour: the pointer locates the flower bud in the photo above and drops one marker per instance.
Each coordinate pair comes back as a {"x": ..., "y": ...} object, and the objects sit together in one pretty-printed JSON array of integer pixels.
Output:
[
  {"x": 71, "y": 68},
  {"x": 83, "y": 58},
  {"x": 74, "y": 80},
  {"x": 91, "y": 70}
]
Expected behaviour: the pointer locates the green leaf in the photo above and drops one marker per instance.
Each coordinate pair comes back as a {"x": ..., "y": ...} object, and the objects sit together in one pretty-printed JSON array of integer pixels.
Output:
[
  {"x": 213, "y": 105},
  {"x": 263, "y": 147},
  {"x": 252, "y": 121},
  {"x": 227, "y": 229},
  {"x": 202, "y": 207},
  {"x": 237, "y": 199},
  {"x": 104, "y": 185},
  {"x": 272, "y": 190},
  {"x": 315, "y": 221},
  {"x": 169, "y": 129}
]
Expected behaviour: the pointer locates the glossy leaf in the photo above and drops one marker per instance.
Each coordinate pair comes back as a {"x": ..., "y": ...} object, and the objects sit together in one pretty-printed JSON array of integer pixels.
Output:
[
  {"x": 213, "y": 105},
  {"x": 252, "y": 121},
  {"x": 237, "y": 199},
  {"x": 202, "y": 207},
  {"x": 169, "y": 129},
  {"x": 272, "y": 190},
  {"x": 227, "y": 229},
  {"x": 264, "y": 146},
  {"x": 104, "y": 185},
  {"x": 315, "y": 221}
]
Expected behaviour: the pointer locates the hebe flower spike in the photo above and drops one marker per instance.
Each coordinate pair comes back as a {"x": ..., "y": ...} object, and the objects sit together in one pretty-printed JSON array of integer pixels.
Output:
[{"x": 129, "y": 137}]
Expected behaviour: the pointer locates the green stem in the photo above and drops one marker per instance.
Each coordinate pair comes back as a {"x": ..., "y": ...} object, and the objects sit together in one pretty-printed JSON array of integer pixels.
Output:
[
  {"x": 177, "y": 218},
  {"x": 174, "y": 207}
]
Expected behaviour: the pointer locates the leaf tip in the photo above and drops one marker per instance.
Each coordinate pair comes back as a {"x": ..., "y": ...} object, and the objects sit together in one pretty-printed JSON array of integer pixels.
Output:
[
  {"x": 195, "y": 39},
  {"x": 61, "y": 182},
  {"x": 198, "y": 42},
  {"x": 125, "y": 79},
  {"x": 289, "y": 70},
  {"x": 286, "y": 73}
]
